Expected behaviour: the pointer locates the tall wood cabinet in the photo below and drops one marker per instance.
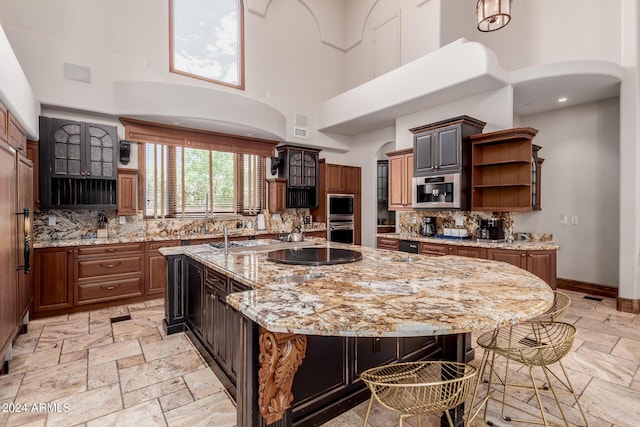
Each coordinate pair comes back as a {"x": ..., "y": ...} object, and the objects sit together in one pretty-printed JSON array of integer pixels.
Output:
[
  {"x": 340, "y": 179},
  {"x": 400, "y": 177}
]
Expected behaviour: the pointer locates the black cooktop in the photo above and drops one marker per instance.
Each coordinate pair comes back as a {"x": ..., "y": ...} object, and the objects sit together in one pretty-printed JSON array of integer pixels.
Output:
[{"x": 314, "y": 256}]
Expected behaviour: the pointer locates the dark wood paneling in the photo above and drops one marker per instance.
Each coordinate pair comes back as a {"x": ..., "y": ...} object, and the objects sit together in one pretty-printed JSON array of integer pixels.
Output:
[{"x": 587, "y": 288}]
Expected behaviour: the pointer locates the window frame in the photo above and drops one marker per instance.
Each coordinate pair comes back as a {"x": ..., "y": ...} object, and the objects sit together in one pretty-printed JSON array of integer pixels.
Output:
[{"x": 172, "y": 68}]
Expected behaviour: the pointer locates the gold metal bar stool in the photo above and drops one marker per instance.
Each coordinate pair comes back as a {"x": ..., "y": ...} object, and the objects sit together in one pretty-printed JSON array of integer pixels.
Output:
[
  {"x": 415, "y": 388},
  {"x": 540, "y": 342}
]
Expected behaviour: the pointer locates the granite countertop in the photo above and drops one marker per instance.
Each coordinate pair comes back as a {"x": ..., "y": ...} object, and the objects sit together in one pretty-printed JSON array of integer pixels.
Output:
[
  {"x": 387, "y": 293},
  {"x": 523, "y": 245},
  {"x": 62, "y": 243}
]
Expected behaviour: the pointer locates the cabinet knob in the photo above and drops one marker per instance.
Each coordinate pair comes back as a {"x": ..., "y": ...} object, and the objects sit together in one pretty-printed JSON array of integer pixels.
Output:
[{"x": 524, "y": 255}]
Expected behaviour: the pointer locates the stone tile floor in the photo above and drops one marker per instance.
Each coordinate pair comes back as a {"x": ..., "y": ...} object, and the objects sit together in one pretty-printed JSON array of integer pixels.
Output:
[{"x": 82, "y": 369}]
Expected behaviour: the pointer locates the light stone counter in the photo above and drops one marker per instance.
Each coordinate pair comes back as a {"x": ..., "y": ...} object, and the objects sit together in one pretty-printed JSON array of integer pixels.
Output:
[
  {"x": 387, "y": 293},
  {"x": 521, "y": 245}
]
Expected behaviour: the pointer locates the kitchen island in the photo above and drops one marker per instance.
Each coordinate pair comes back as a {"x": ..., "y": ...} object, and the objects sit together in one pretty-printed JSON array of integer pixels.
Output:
[{"x": 342, "y": 319}]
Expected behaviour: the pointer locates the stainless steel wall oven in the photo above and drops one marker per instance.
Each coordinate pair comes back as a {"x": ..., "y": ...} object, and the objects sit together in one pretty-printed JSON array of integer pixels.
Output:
[{"x": 340, "y": 218}]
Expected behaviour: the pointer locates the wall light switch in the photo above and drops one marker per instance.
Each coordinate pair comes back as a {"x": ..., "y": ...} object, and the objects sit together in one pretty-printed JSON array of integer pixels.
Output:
[
  {"x": 574, "y": 220},
  {"x": 52, "y": 220},
  {"x": 122, "y": 219},
  {"x": 563, "y": 219}
]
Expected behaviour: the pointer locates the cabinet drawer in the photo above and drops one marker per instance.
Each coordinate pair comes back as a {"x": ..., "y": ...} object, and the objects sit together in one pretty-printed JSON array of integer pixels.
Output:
[
  {"x": 105, "y": 267},
  {"x": 384, "y": 243},
  {"x": 217, "y": 280},
  {"x": 433, "y": 249},
  {"x": 109, "y": 249},
  {"x": 104, "y": 291},
  {"x": 154, "y": 246}
]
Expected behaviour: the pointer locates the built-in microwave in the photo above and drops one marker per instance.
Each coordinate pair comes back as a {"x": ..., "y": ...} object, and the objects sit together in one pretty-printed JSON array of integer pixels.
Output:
[
  {"x": 436, "y": 191},
  {"x": 339, "y": 206}
]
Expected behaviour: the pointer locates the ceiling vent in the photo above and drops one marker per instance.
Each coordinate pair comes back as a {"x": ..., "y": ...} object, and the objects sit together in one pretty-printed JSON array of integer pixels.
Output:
[
  {"x": 301, "y": 132},
  {"x": 76, "y": 72}
]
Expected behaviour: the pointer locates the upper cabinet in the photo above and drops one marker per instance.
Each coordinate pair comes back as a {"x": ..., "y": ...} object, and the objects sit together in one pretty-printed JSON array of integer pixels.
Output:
[
  {"x": 342, "y": 179},
  {"x": 78, "y": 164},
  {"x": 442, "y": 147},
  {"x": 17, "y": 135},
  {"x": 4, "y": 123},
  {"x": 299, "y": 166},
  {"x": 506, "y": 171},
  {"x": 400, "y": 176}
]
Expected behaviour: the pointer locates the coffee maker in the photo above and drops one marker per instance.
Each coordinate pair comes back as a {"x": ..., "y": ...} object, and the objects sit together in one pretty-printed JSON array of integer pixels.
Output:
[
  {"x": 492, "y": 230},
  {"x": 428, "y": 227}
]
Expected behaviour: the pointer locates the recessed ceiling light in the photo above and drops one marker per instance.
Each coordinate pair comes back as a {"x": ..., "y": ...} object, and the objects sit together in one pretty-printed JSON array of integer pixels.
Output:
[{"x": 563, "y": 99}]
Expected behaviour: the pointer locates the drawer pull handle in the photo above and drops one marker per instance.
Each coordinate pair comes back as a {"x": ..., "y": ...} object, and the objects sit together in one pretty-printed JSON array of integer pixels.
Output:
[
  {"x": 111, "y": 265},
  {"x": 109, "y": 288},
  {"x": 110, "y": 250}
]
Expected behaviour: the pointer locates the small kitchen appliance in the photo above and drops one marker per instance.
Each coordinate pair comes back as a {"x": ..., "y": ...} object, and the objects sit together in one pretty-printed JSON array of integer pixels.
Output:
[
  {"x": 492, "y": 230},
  {"x": 428, "y": 227}
]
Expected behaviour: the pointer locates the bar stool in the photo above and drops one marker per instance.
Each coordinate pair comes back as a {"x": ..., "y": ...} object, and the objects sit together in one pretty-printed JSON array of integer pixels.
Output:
[
  {"x": 541, "y": 342},
  {"x": 415, "y": 388}
]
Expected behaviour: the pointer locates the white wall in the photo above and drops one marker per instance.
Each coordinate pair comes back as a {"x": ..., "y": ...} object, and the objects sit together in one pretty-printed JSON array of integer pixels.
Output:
[
  {"x": 419, "y": 35},
  {"x": 580, "y": 177},
  {"x": 542, "y": 31}
]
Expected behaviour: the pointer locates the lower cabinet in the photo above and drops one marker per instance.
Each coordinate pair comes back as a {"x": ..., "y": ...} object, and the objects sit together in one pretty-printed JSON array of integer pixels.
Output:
[
  {"x": 385, "y": 243},
  {"x": 542, "y": 263},
  {"x": 195, "y": 284},
  {"x": 156, "y": 267},
  {"x": 53, "y": 279}
]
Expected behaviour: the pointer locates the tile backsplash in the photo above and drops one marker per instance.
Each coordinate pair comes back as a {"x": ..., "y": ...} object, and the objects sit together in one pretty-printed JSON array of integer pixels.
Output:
[
  {"x": 447, "y": 219},
  {"x": 65, "y": 224}
]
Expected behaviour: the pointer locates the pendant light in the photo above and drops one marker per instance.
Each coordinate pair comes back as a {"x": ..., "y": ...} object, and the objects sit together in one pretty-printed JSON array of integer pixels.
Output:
[{"x": 493, "y": 14}]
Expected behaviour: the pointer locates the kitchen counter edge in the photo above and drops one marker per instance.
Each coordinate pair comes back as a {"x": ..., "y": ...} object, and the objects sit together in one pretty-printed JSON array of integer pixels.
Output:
[{"x": 529, "y": 246}]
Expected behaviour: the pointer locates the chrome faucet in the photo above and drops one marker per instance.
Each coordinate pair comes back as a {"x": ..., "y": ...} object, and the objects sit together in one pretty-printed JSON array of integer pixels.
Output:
[{"x": 226, "y": 240}]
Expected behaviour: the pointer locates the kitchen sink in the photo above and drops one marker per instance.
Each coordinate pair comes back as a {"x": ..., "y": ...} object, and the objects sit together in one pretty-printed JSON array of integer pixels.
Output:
[{"x": 260, "y": 245}]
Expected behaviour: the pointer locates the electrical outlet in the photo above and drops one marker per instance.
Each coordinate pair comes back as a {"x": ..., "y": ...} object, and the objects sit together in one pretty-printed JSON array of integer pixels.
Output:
[
  {"x": 459, "y": 221},
  {"x": 122, "y": 219},
  {"x": 574, "y": 220},
  {"x": 563, "y": 219},
  {"x": 414, "y": 220},
  {"x": 52, "y": 220}
]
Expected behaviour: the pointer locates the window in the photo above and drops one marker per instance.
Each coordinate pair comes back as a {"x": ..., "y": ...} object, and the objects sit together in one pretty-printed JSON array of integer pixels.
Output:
[
  {"x": 181, "y": 181},
  {"x": 207, "y": 41}
]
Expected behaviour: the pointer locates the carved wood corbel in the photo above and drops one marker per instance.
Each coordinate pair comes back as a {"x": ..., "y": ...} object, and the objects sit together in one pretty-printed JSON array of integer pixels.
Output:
[{"x": 280, "y": 357}]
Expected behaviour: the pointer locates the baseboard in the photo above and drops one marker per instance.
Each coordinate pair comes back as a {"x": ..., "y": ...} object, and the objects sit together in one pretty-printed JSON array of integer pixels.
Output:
[
  {"x": 587, "y": 288},
  {"x": 628, "y": 305}
]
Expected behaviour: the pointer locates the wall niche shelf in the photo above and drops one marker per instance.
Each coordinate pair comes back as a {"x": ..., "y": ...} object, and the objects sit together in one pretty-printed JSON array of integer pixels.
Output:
[{"x": 503, "y": 177}]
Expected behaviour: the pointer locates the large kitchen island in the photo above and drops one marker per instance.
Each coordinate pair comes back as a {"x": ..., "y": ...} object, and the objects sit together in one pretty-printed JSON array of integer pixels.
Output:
[{"x": 290, "y": 340}]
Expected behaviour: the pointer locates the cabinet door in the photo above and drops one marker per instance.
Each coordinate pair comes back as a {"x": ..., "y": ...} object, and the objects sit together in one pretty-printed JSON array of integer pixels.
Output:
[
  {"x": 101, "y": 151},
  {"x": 156, "y": 267},
  {"x": 448, "y": 147},
  {"x": 4, "y": 123},
  {"x": 543, "y": 265},
  {"x": 512, "y": 256},
  {"x": 25, "y": 200},
  {"x": 349, "y": 179},
  {"x": 435, "y": 249},
  {"x": 63, "y": 142},
  {"x": 8, "y": 235},
  {"x": 17, "y": 135},
  {"x": 333, "y": 178},
  {"x": 468, "y": 251},
  {"x": 210, "y": 306},
  {"x": 53, "y": 279},
  {"x": 372, "y": 352},
  {"x": 277, "y": 195},
  {"x": 396, "y": 183},
  {"x": 220, "y": 316},
  {"x": 195, "y": 286},
  {"x": 127, "y": 192},
  {"x": 424, "y": 151}
]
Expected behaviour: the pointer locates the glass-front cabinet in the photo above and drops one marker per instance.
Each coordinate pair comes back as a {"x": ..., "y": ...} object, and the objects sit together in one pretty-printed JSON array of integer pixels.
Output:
[
  {"x": 79, "y": 163},
  {"x": 300, "y": 167}
]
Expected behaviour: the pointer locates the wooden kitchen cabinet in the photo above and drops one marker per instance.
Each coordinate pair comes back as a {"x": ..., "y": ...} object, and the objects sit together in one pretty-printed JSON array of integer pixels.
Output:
[
  {"x": 400, "y": 177},
  {"x": 505, "y": 166},
  {"x": 442, "y": 147},
  {"x": 4, "y": 123},
  {"x": 156, "y": 267},
  {"x": 53, "y": 279},
  {"x": 127, "y": 192},
  {"x": 542, "y": 263},
  {"x": 108, "y": 272},
  {"x": 299, "y": 166},
  {"x": 385, "y": 243},
  {"x": 341, "y": 179},
  {"x": 434, "y": 249},
  {"x": 33, "y": 154},
  {"x": 194, "y": 298},
  {"x": 17, "y": 135},
  {"x": 78, "y": 164},
  {"x": 277, "y": 188},
  {"x": 468, "y": 251}
]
